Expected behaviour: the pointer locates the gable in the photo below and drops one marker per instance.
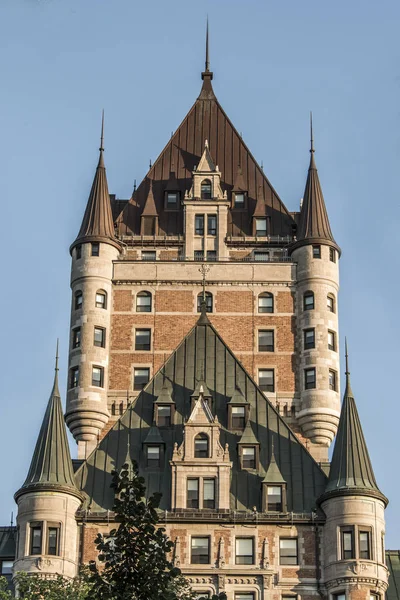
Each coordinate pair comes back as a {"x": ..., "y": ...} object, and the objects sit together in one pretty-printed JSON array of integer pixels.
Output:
[{"x": 203, "y": 354}]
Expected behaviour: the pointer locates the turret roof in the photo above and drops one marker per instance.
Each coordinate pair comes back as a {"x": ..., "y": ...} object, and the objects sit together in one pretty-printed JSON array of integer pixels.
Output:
[{"x": 273, "y": 474}]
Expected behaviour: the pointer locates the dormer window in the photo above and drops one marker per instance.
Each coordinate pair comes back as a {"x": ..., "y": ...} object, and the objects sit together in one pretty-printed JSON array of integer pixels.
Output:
[
  {"x": 206, "y": 189},
  {"x": 249, "y": 457},
  {"x": 172, "y": 200},
  {"x": 261, "y": 227},
  {"x": 153, "y": 456},
  {"x": 238, "y": 200},
  {"x": 201, "y": 446},
  {"x": 238, "y": 416},
  {"x": 164, "y": 415},
  {"x": 274, "y": 498}
]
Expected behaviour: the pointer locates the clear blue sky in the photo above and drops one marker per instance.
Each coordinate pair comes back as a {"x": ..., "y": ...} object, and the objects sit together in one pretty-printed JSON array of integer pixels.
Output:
[{"x": 62, "y": 61}]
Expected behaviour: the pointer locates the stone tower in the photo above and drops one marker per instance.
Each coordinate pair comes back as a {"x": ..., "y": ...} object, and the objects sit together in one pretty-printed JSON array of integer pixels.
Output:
[
  {"x": 317, "y": 256},
  {"x": 353, "y": 534},
  {"x": 48, "y": 500},
  {"x": 93, "y": 253}
]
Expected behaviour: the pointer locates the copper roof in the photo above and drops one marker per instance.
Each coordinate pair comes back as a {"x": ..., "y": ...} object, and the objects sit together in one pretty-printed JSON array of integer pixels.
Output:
[
  {"x": 97, "y": 224},
  {"x": 206, "y": 120}
]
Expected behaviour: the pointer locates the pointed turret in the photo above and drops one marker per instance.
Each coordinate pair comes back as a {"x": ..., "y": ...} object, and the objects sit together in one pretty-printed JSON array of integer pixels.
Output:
[
  {"x": 351, "y": 469},
  {"x": 314, "y": 227},
  {"x": 97, "y": 224},
  {"x": 51, "y": 466}
]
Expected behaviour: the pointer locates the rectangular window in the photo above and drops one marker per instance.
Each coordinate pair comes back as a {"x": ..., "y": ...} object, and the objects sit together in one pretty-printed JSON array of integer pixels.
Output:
[
  {"x": 248, "y": 457},
  {"x": 78, "y": 252},
  {"x": 332, "y": 380},
  {"x": 309, "y": 339},
  {"x": 198, "y": 255},
  {"x": 142, "y": 339},
  {"x": 239, "y": 200},
  {"x": 149, "y": 255},
  {"x": 76, "y": 337},
  {"x": 261, "y": 227},
  {"x": 364, "y": 544},
  {"x": 212, "y": 224},
  {"x": 172, "y": 199},
  {"x": 330, "y": 304},
  {"x": 78, "y": 300},
  {"x": 316, "y": 251},
  {"x": 6, "y": 567},
  {"x": 244, "y": 551},
  {"x": 200, "y": 551},
  {"x": 98, "y": 376},
  {"x": 140, "y": 378},
  {"x": 99, "y": 337},
  {"x": 163, "y": 416},
  {"x": 100, "y": 300},
  {"x": 211, "y": 255},
  {"x": 36, "y": 539},
  {"x": 331, "y": 340},
  {"x": 74, "y": 377},
  {"x": 238, "y": 414},
  {"x": 244, "y": 596},
  {"x": 199, "y": 224},
  {"x": 95, "y": 249},
  {"x": 288, "y": 551},
  {"x": 153, "y": 456},
  {"x": 192, "y": 493},
  {"x": 309, "y": 379},
  {"x": 332, "y": 255},
  {"x": 340, "y": 596},
  {"x": 266, "y": 380},
  {"x": 261, "y": 256},
  {"x": 266, "y": 341},
  {"x": 274, "y": 498},
  {"x": 53, "y": 540},
  {"x": 347, "y": 539},
  {"x": 208, "y": 493},
  {"x": 308, "y": 301}
]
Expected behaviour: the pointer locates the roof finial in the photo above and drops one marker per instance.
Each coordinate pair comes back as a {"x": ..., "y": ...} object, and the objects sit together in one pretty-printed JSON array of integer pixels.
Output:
[
  {"x": 311, "y": 134},
  {"x": 56, "y": 367},
  {"x": 207, "y": 50},
  {"x": 102, "y": 133},
  {"x": 347, "y": 372}
]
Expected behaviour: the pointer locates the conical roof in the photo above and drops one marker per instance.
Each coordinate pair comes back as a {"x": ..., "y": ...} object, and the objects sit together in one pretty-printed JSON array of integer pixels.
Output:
[
  {"x": 248, "y": 436},
  {"x": 150, "y": 209},
  {"x": 97, "y": 224},
  {"x": 238, "y": 397},
  {"x": 239, "y": 184},
  {"x": 51, "y": 466},
  {"x": 351, "y": 470},
  {"x": 273, "y": 474},
  {"x": 259, "y": 210},
  {"x": 153, "y": 436},
  {"x": 314, "y": 226}
]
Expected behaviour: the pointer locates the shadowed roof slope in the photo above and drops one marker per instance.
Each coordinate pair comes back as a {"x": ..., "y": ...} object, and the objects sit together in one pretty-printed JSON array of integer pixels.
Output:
[
  {"x": 393, "y": 564},
  {"x": 51, "y": 466},
  {"x": 351, "y": 469},
  {"x": 203, "y": 355}
]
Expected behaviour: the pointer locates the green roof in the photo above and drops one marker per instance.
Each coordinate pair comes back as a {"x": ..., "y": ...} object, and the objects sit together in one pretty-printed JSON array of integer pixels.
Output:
[
  {"x": 393, "y": 564},
  {"x": 203, "y": 355}
]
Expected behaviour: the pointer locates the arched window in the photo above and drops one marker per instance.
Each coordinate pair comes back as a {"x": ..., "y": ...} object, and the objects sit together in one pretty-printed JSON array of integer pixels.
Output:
[
  {"x": 143, "y": 302},
  {"x": 101, "y": 299},
  {"x": 206, "y": 189},
  {"x": 209, "y": 302},
  {"x": 265, "y": 303},
  {"x": 308, "y": 301},
  {"x": 330, "y": 303},
  {"x": 201, "y": 446},
  {"x": 78, "y": 299}
]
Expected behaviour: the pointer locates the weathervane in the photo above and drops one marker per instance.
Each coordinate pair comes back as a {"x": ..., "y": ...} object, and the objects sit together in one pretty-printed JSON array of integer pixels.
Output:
[{"x": 204, "y": 269}]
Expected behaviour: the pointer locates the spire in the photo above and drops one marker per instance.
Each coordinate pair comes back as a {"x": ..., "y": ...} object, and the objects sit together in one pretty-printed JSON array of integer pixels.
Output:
[
  {"x": 239, "y": 185},
  {"x": 97, "y": 224},
  {"x": 273, "y": 474},
  {"x": 351, "y": 470},
  {"x": 259, "y": 210},
  {"x": 203, "y": 319},
  {"x": 314, "y": 224},
  {"x": 51, "y": 466},
  {"x": 149, "y": 209},
  {"x": 207, "y": 91}
]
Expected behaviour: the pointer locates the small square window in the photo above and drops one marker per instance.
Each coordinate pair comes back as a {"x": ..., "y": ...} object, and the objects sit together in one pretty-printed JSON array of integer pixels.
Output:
[
  {"x": 76, "y": 338},
  {"x": 244, "y": 551},
  {"x": 192, "y": 500},
  {"x": 208, "y": 493},
  {"x": 316, "y": 251},
  {"x": 74, "y": 377},
  {"x": 163, "y": 415},
  {"x": 261, "y": 227},
  {"x": 36, "y": 539},
  {"x": 211, "y": 255},
  {"x": 239, "y": 200},
  {"x": 149, "y": 255},
  {"x": 332, "y": 255},
  {"x": 78, "y": 300},
  {"x": 238, "y": 417},
  {"x": 310, "y": 379},
  {"x": 53, "y": 541},
  {"x": 309, "y": 339},
  {"x": 212, "y": 224},
  {"x": 99, "y": 337},
  {"x": 100, "y": 300},
  {"x": 199, "y": 224},
  {"x": 288, "y": 551},
  {"x": 266, "y": 341},
  {"x": 142, "y": 339},
  {"x": 332, "y": 380},
  {"x": 78, "y": 252},
  {"x": 330, "y": 304},
  {"x": 266, "y": 380},
  {"x": 331, "y": 340},
  {"x": 200, "y": 551},
  {"x": 98, "y": 376},
  {"x": 172, "y": 199},
  {"x": 248, "y": 457},
  {"x": 309, "y": 301},
  {"x": 153, "y": 456},
  {"x": 95, "y": 249},
  {"x": 274, "y": 498},
  {"x": 141, "y": 376}
]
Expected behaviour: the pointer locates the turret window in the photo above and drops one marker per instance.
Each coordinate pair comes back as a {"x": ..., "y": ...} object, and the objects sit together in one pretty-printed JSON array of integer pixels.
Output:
[
  {"x": 99, "y": 337},
  {"x": 347, "y": 541},
  {"x": 331, "y": 340},
  {"x": 53, "y": 540},
  {"x": 330, "y": 303},
  {"x": 288, "y": 554},
  {"x": 266, "y": 340},
  {"x": 98, "y": 376},
  {"x": 74, "y": 377},
  {"x": 332, "y": 380},
  {"x": 143, "y": 302},
  {"x": 101, "y": 299},
  {"x": 206, "y": 189},
  {"x": 265, "y": 303},
  {"x": 95, "y": 249},
  {"x": 212, "y": 224},
  {"x": 261, "y": 227},
  {"x": 209, "y": 302},
  {"x": 199, "y": 224},
  {"x": 308, "y": 300},
  {"x": 316, "y": 251},
  {"x": 332, "y": 255},
  {"x": 36, "y": 533},
  {"x": 78, "y": 252},
  {"x": 201, "y": 449},
  {"x": 309, "y": 339},
  {"x": 310, "y": 379},
  {"x": 78, "y": 300},
  {"x": 76, "y": 338},
  {"x": 364, "y": 544}
]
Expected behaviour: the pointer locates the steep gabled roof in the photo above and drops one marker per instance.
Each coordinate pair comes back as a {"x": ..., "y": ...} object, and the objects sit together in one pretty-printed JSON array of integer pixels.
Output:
[
  {"x": 351, "y": 470},
  {"x": 51, "y": 466},
  {"x": 206, "y": 120},
  {"x": 203, "y": 355},
  {"x": 97, "y": 224}
]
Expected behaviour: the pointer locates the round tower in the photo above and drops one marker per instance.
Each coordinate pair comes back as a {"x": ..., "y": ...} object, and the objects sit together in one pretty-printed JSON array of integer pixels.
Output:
[
  {"x": 317, "y": 256},
  {"x": 93, "y": 253},
  {"x": 353, "y": 545},
  {"x": 47, "y": 543}
]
